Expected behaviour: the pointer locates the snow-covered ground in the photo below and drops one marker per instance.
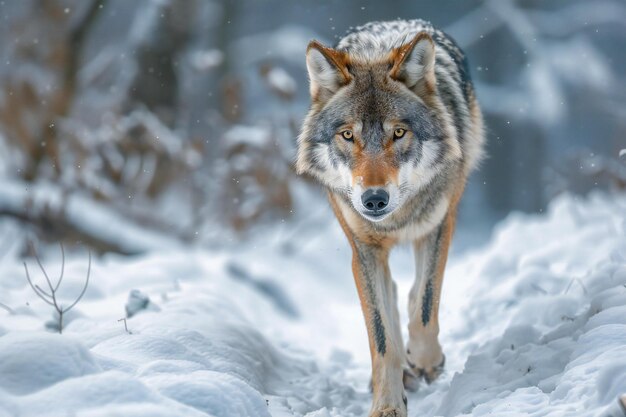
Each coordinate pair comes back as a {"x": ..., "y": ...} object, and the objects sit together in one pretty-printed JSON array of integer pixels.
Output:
[{"x": 533, "y": 324}]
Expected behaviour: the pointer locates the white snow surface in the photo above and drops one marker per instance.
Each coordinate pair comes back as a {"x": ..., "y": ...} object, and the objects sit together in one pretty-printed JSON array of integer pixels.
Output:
[{"x": 533, "y": 324}]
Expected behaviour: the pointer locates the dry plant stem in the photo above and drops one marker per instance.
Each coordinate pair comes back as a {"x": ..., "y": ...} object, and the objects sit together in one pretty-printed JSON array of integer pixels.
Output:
[
  {"x": 50, "y": 298},
  {"x": 125, "y": 324},
  {"x": 7, "y": 308}
]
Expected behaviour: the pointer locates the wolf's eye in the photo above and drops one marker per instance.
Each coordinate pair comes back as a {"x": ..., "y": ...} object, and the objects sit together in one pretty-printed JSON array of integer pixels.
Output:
[
  {"x": 398, "y": 133},
  {"x": 347, "y": 135}
]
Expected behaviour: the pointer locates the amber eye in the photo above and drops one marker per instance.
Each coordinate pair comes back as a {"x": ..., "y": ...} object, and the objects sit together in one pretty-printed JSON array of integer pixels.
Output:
[
  {"x": 398, "y": 133},
  {"x": 347, "y": 135}
]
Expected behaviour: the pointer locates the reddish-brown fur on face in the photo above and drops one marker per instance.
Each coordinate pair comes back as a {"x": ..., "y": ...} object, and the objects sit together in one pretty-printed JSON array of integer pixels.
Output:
[{"x": 375, "y": 170}]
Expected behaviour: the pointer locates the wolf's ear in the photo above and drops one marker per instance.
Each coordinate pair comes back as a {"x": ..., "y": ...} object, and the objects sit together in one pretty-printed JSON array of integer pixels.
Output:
[
  {"x": 328, "y": 70},
  {"x": 414, "y": 63}
]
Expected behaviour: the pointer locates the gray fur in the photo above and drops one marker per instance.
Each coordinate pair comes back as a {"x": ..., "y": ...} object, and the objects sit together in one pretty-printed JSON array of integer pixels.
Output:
[
  {"x": 427, "y": 302},
  {"x": 375, "y": 39},
  {"x": 426, "y": 170},
  {"x": 370, "y": 273},
  {"x": 379, "y": 333}
]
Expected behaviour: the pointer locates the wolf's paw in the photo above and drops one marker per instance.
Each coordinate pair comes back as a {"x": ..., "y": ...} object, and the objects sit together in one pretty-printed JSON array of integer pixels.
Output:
[
  {"x": 429, "y": 373},
  {"x": 425, "y": 357},
  {"x": 390, "y": 407},
  {"x": 388, "y": 412},
  {"x": 410, "y": 380}
]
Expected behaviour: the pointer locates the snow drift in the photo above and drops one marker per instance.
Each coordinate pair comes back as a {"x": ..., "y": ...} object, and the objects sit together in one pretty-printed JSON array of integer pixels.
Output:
[{"x": 532, "y": 324}]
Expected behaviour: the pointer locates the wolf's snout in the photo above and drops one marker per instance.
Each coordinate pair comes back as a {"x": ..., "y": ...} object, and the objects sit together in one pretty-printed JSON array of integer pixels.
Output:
[{"x": 375, "y": 199}]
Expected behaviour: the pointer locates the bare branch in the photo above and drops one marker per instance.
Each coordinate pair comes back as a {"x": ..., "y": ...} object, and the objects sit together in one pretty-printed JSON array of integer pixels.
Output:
[
  {"x": 40, "y": 295},
  {"x": 84, "y": 288},
  {"x": 7, "y": 308},
  {"x": 125, "y": 325},
  {"x": 62, "y": 267},
  {"x": 42, "y": 291},
  {"x": 59, "y": 224},
  {"x": 80, "y": 31},
  {"x": 45, "y": 274},
  {"x": 51, "y": 298},
  {"x": 579, "y": 282}
]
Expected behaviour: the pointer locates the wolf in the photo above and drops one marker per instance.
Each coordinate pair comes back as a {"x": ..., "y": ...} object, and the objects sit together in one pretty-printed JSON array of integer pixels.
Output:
[{"x": 392, "y": 133}]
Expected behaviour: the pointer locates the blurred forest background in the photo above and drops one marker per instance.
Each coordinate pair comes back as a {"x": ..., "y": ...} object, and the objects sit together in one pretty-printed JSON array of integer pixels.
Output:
[{"x": 126, "y": 125}]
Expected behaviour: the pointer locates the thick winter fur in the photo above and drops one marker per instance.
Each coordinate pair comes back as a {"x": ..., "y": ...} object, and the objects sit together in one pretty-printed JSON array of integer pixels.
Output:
[{"x": 393, "y": 111}]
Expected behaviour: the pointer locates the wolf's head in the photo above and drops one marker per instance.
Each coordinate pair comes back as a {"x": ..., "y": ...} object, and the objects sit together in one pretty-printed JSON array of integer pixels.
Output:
[{"x": 376, "y": 131}]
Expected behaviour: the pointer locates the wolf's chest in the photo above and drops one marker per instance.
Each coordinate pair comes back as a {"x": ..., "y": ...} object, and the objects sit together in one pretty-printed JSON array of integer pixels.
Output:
[
  {"x": 423, "y": 224},
  {"x": 392, "y": 228}
]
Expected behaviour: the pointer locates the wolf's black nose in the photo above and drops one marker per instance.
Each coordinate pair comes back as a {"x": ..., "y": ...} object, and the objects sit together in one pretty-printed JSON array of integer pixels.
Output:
[{"x": 375, "y": 199}]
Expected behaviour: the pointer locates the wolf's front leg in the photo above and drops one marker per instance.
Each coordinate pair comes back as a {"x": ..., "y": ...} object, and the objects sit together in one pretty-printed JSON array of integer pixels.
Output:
[
  {"x": 424, "y": 352},
  {"x": 376, "y": 289}
]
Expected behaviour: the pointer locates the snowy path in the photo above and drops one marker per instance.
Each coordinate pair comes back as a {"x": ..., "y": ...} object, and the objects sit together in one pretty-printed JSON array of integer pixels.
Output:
[{"x": 534, "y": 324}]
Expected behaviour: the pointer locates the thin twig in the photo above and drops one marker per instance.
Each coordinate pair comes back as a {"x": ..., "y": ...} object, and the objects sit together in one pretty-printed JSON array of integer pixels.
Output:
[
  {"x": 42, "y": 291},
  {"x": 62, "y": 267},
  {"x": 569, "y": 286},
  {"x": 45, "y": 274},
  {"x": 51, "y": 297},
  {"x": 84, "y": 288},
  {"x": 7, "y": 308},
  {"x": 35, "y": 288},
  {"x": 125, "y": 325}
]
